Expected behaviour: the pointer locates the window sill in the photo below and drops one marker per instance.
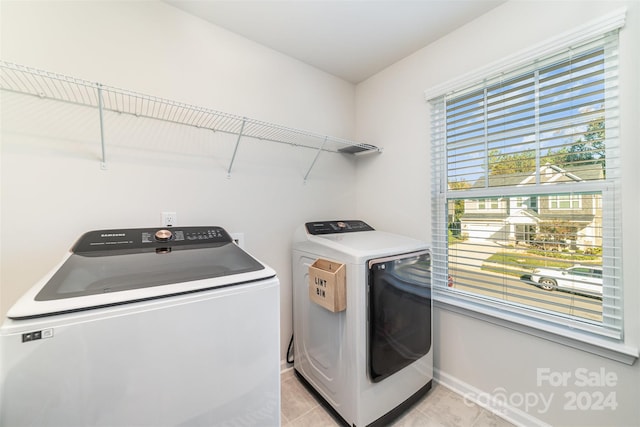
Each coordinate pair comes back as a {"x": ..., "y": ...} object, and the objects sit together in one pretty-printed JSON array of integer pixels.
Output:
[{"x": 446, "y": 300}]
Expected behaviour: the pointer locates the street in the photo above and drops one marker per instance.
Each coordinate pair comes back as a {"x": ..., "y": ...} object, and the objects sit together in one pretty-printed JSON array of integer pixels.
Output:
[{"x": 514, "y": 289}]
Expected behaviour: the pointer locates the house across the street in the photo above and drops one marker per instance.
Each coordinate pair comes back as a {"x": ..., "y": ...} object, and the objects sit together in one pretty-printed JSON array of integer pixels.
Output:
[{"x": 551, "y": 221}]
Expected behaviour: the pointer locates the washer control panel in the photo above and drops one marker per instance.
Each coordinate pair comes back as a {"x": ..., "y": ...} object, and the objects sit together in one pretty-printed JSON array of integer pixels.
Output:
[
  {"x": 331, "y": 227},
  {"x": 150, "y": 238}
]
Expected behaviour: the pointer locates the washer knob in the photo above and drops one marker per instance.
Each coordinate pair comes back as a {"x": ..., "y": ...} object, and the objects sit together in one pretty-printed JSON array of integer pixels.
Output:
[{"x": 163, "y": 235}]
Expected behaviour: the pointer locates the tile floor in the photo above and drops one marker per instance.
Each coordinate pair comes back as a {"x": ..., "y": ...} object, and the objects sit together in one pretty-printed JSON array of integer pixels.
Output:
[{"x": 439, "y": 408}]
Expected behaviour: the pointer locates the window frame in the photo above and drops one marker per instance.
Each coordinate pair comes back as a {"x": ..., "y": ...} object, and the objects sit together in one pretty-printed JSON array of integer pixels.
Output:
[{"x": 494, "y": 311}]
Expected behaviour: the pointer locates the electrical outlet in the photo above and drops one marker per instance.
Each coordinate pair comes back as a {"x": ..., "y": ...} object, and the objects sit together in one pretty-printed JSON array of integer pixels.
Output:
[{"x": 169, "y": 219}]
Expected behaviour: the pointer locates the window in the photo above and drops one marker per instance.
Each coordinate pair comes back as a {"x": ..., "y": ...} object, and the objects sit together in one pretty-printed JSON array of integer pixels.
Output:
[
  {"x": 488, "y": 204},
  {"x": 526, "y": 207},
  {"x": 565, "y": 201}
]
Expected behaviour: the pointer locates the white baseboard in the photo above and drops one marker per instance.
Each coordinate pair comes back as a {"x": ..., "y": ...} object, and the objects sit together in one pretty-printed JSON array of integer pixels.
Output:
[{"x": 488, "y": 401}]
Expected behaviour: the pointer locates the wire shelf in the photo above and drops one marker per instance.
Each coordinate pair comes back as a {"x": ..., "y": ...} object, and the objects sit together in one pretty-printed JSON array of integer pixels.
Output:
[{"x": 49, "y": 85}]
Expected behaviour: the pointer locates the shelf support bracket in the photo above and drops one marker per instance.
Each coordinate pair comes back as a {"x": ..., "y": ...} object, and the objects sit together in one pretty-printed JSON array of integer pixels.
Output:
[
  {"x": 315, "y": 159},
  {"x": 235, "y": 150},
  {"x": 103, "y": 163}
]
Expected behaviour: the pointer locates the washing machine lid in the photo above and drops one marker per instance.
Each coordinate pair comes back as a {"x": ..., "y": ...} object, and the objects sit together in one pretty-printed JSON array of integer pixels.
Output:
[{"x": 107, "y": 267}]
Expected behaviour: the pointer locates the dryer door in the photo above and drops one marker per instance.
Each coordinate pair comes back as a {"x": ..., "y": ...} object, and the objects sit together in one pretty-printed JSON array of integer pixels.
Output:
[{"x": 399, "y": 312}]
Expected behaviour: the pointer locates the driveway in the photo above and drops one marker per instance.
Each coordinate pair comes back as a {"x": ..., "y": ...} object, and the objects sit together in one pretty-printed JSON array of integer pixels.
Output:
[{"x": 472, "y": 253}]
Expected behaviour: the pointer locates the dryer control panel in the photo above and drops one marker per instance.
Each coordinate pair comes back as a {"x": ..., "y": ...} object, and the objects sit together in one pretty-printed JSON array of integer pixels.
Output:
[{"x": 332, "y": 227}]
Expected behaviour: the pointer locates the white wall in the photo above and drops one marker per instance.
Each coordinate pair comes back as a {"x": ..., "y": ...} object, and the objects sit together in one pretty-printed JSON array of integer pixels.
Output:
[
  {"x": 470, "y": 354},
  {"x": 53, "y": 189}
]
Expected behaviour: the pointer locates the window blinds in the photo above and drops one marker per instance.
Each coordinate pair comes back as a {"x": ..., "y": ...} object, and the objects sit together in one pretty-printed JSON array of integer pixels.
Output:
[{"x": 526, "y": 178}]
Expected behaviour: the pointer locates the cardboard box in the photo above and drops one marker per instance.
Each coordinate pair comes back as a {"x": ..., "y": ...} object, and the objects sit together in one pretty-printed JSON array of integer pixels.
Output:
[{"x": 327, "y": 286}]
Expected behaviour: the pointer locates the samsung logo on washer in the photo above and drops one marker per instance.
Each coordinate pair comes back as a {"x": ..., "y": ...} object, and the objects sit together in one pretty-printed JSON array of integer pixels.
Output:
[{"x": 113, "y": 235}]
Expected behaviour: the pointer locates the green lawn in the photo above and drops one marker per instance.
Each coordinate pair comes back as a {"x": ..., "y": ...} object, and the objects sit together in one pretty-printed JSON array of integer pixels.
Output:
[
  {"x": 527, "y": 262},
  {"x": 518, "y": 263}
]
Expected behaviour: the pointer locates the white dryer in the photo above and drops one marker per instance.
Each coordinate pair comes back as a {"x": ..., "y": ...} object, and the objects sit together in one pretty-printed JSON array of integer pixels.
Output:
[{"x": 374, "y": 359}]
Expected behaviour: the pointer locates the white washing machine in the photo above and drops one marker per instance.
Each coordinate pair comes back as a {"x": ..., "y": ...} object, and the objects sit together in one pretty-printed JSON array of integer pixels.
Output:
[
  {"x": 372, "y": 360},
  {"x": 145, "y": 327}
]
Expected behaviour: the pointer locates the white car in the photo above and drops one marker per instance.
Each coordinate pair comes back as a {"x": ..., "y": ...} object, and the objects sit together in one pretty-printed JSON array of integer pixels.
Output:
[{"x": 579, "y": 278}]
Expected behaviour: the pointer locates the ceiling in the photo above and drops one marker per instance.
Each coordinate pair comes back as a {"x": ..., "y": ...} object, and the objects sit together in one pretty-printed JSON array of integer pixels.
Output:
[{"x": 351, "y": 39}]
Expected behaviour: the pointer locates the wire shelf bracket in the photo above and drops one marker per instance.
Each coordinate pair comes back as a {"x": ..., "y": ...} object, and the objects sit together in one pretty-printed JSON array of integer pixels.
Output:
[
  {"x": 48, "y": 85},
  {"x": 315, "y": 159},
  {"x": 235, "y": 150},
  {"x": 103, "y": 163}
]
